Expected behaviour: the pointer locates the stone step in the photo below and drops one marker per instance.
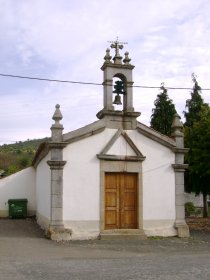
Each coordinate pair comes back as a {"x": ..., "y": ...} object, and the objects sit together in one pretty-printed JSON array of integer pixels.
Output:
[{"x": 123, "y": 234}]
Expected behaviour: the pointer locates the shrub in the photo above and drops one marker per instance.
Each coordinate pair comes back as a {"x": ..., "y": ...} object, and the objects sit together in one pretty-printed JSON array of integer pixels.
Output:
[{"x": 189, "y": 208}]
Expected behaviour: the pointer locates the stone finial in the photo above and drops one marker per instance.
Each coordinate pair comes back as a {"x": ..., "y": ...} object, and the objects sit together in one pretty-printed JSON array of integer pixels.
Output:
[
  {"x": 57, "y": 128},
  {"x": 57, "y": 115},
  {"x": 126, "y": 60},
  {"x": 177, "y": 126},
  {"x": 107, "y": 57}
]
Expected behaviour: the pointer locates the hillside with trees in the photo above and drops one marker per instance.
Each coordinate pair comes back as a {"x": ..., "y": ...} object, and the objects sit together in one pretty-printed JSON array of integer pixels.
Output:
[{"x": 17, "y": 156}]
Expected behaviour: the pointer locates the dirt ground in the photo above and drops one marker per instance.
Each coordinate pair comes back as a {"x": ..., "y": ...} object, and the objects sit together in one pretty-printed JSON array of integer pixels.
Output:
[
  {"x": 197, "y": 223},
  {"x": 25, "y": 253}
]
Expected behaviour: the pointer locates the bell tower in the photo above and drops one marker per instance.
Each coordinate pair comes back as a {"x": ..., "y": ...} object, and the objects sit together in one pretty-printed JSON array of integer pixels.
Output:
[{"x": 120, "y": 92}]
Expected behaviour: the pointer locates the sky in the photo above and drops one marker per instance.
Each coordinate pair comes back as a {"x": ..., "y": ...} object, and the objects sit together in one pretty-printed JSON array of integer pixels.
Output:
[{"x": 66, "y": 39}]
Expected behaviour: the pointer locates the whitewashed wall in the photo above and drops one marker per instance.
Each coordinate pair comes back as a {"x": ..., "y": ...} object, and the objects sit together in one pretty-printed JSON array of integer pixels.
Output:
[
  {"x": 81, "y": 196},
  {"x": 19, "y": 185},
  {"x": 158, "y": 186},
  {"x": 43, "y": 181}
]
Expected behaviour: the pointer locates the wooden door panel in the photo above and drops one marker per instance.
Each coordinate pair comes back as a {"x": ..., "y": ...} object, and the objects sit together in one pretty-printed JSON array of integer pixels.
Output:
[
  {"x": 111, "y": 219},
  {"x": 120, "y": 200},
  {"x": 129, "y": 200},
  {"x": 111, "y": 202},
  {"x": 129, "y": 220},
  {"x": 111, "y": 199}
]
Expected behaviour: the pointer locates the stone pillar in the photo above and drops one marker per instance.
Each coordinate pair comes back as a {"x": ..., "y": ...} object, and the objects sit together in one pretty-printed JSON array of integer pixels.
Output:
[
  {"x": 179, "y": 169},
  {"x": 56, "y": 164}
]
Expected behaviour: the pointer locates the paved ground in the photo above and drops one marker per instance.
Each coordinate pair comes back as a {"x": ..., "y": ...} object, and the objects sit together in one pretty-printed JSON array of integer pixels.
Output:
[{"x": 26, "y": 254}]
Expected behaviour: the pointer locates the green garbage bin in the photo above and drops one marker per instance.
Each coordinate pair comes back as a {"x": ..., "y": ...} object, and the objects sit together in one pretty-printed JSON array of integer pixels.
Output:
[{"x": 17, "y": 208}]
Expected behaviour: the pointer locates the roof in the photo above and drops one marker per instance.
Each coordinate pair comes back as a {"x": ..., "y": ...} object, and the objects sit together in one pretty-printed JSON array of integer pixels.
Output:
[{"x": 98, "y": 127}]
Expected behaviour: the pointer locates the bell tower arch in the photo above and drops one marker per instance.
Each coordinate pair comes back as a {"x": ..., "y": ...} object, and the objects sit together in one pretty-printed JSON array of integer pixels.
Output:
[{"x": 120, "y": 92}]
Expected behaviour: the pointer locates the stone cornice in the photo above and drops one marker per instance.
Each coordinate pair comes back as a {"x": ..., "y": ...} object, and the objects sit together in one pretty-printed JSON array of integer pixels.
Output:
[
  {"x": 156, "y": 136},
  {"x": 56, "y": 164},
  {"x": 57, "y": 145},
  {"x": 117, "y": 65},
  {"x": 85, "y": 135},
  {"x": 124, "y": 114},
  {"x": 43, "y": 150},
  {"x": 180, "y": 150},
  {"x": 120, "y": 158},
  {"x": 70, "y": 137},
  {"x": 180, "y": 167}
]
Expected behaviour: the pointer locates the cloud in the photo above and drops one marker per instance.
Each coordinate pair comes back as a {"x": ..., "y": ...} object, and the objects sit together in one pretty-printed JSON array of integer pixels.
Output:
[{"x": 167, "y": 41}]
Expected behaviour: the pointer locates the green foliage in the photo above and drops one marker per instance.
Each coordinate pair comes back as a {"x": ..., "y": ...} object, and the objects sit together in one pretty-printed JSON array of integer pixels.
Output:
[
  {"x": 15, "y": 157},
  {"x": 197, "y": 139},
  {"x": 191, "y": 210},
  {"x": 189, "y": 207},
  {"x": 163, "y": 113},
  {"x": 194, "y": 104},
  {"x": 198, "y": 158}
]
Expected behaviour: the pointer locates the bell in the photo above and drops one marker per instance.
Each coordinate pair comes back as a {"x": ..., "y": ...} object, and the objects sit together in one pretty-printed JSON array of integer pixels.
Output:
[{"x": 117, "y": 100}]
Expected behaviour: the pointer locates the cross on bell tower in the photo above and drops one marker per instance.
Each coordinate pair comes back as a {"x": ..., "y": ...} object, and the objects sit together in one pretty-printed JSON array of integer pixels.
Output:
[
  {"x": 117, "y": 46},
  {"x": 121, "y": 69}
]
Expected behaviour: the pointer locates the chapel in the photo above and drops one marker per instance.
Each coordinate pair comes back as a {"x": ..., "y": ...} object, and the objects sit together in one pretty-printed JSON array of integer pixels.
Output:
[{"x": 114, "y": 178}]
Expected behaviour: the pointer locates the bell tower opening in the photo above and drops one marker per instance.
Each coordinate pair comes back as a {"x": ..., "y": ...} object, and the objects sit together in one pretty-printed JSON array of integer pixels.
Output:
[{"x": 119, "y": 91}]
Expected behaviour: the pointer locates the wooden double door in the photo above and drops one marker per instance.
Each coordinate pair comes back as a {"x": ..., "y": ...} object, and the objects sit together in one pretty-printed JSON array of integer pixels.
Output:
[{"x": 121, "y": 200}]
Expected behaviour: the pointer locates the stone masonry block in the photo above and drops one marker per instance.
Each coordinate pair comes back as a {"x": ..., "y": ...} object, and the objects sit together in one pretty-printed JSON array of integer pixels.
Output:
[
  {"x": 179, "y": 178},
  {"x": 180, "y": 199},
  {"x": 57, "y": 201},
  {"x": 57, "y": 214},
  {"x": 180, "y": 212},
  {"x": 56, "y": 188}
]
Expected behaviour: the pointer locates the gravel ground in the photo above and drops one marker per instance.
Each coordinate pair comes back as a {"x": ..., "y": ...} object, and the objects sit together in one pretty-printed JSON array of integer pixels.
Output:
[{"x": 26, "y": 254}]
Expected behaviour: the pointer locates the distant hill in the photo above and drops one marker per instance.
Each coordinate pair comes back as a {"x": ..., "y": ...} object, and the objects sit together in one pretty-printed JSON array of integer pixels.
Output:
[{"x": 17, "y": 156}]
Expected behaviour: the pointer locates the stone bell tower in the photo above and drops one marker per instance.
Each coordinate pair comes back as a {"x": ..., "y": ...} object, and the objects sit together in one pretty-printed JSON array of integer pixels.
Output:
[{"x": 120, "y": 93}]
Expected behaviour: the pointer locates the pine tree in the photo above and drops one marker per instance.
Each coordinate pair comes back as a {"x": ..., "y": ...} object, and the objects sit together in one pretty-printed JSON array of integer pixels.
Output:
[{"x": 163, "y": 113}]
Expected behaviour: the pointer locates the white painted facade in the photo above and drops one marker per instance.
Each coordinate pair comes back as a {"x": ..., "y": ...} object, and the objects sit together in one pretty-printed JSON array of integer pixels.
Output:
[
  {"x": 78, "y": 162},
  {"x": 158, "y": 186},
  {"x": 70, "y": 170},
  {"x": 81, "y": 187},
  {"x": 20, "y": 185}
]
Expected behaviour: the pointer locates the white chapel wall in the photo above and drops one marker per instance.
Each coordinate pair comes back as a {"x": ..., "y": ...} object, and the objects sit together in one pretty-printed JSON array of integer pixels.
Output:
[
  {"x": 81, "y": 195},
  {"x": 158, "y": 186},
  {"x": 20, "y": 185},
  {"x": 43, "y": 177}
]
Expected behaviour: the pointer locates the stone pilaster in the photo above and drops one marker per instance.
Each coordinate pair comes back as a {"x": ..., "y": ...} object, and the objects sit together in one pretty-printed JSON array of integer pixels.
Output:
[
  {"x": 179, "y": 169},
  {"x": 56, "y": 164}
]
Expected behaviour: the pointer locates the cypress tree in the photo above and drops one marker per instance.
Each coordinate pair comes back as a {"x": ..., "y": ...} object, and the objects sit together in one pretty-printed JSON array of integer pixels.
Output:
[
  {"x": 197, "y": 133},
  {"x": 163, "y": 113}
]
